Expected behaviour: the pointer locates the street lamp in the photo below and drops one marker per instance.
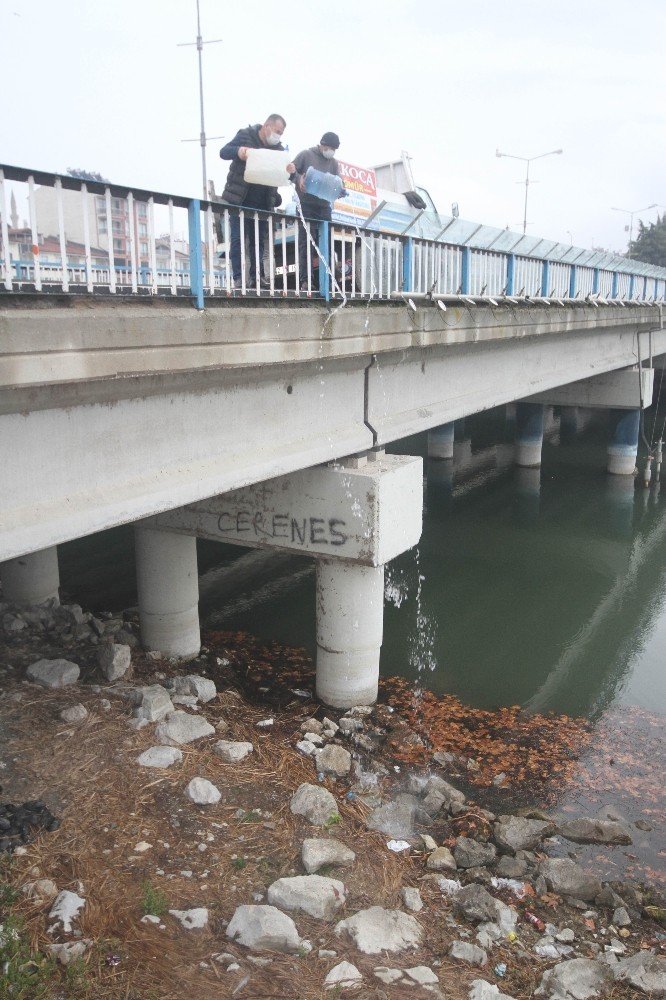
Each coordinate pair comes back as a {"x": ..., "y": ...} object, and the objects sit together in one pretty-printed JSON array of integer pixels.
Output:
[
  {"x": 631, "y": 219},
  {"x": 527, "y": 160}
]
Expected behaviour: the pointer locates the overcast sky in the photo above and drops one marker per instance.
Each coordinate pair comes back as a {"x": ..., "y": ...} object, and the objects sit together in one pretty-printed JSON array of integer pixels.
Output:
[{"x": 103, "y": 86}]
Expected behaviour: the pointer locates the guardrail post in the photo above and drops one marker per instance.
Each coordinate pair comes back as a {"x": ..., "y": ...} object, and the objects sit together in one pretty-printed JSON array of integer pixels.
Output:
[
  {"x": 614, "y": 286},
  {"x": 573, "y": 281},
  {"x": 631, "y": 287},
  {"x": 325, "y": 264},
  {"x": 510, "y": 273},
  {"x": 595, "y": 281},
  {"x": 196, "y": 262},
  {"x": 408, "y": 265},
  {"x": 465, "y": 273},
  {"x": 545, "y": 278}
]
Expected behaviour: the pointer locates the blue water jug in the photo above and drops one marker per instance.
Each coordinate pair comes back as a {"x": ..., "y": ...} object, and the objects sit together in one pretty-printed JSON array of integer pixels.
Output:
[{"x": 328, "y": 187}]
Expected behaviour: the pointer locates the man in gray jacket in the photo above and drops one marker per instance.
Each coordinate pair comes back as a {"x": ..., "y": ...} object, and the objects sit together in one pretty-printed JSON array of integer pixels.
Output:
[{"x": 321, "y": 157}]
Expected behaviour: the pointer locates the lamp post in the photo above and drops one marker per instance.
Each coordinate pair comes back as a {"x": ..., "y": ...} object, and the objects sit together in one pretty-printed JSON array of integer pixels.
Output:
[
  {"x": 202, "y": 134},
  {"x": 527, "y": 160},
  {"x": 631, "y": 215}
]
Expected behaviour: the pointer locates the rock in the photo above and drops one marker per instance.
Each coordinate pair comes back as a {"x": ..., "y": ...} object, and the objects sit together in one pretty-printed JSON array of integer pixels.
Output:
[
  {"x": 75, "y": 713},
  {"x": 482, "y": 990},
  {"x": 306, "y": 747},
  {"x": 508, "y": 867},
  {"x": 514, "y": 833},
  {"x": 200, "y": 687},
  {"x": 466, "y": 952},
  {"x": 349, "y": 726},
  {"x": 644, "y": 971},
  {"x": 203, "y": 792},
  {"x": 232, "y": 751},
  {"x": 160, "y": 757},
  {"x": 316, "y": 895},
  {"x": 315, "y": 803},
  {"x": 450, "y": 793},
  {"x": 153, "y": 703},
  {"x": 191, "y": 920},
  {"x": 488, "y": 934},
  {"x": 333, "y": 759},
  {"x": 42, "y": 888},
  {"x": 434, "y": 802},
  {"x": 263, "y": 928},
  {"x": 53, "y": 673},
  {"x": 13, "y": 623},
  {"x": 317, "y": 852},
  {"x": 376, "y": 930},
  {"x": 70, "y": 952},
  {"x": 398, "y": 819},
  {"x": 657, "y": 913},
  {"x": 576, "y": 979},
  {"x": 441, "y": 859},
  {"x": 114, "y": 660},
  {"x": 566, "y": 935},
  {"x": 386, "y": 975},
  {"x": 621, "y": 918},
  {"x": 476, "y": 904},
  {"x": 181, "y": 727},
  {"x": 66, "y": 908},
  {"x": 608, "y": 897},
  {"x": 422, "y": 975},
  {"x": 411, "y": 898},
  {"x": 568, "y": 879},
  {"x": 470, "y": 853},
  {"x": 594, "y": 831},
  {"x": 344, "y": 976}
]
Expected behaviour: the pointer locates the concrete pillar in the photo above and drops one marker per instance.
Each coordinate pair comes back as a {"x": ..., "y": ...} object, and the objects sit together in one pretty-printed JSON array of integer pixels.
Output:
[
  {"x": 31, "y": 579},
  {"x": 440, "y": 441},
  {"x": 350, "y": 621},
  {"x": 529, "y": 434},
  {"x": 623, "y": 444},
  {"x": 168, "y": 587}
]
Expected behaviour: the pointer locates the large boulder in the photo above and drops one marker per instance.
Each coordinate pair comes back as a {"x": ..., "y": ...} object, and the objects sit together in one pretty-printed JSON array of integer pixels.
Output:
[
  {"x": 317, "y": 852},
  {"x": 333, "y": 759},
  {"x": 594, "y": 831},
  {"x": 569, "y": 879},
  {"x": 477, "y": 905},
  {"x": 315, "y": 803},
  {"x": 472, "y": 854},
  {"x": 153, "y": 703},
  {"x": 201, "y": 688},
  {"x": 576, "y": 979},
  {"x": 644, "y": 971},
  {"x": 114, "y": 660},
  {"x": 53, "y": 673},
  {"x": 181, "y": 727},
  {"x": 376, "y": 930},
  {"x": 263, "y": 928},
  {"x": 316, "y": 895},
  {"x": 514, "y": 833}
]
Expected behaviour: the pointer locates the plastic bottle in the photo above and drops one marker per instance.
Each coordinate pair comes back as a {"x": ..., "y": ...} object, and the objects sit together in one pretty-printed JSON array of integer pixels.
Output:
[
  {"x": 328, "y": 187},
  {"x": 267, "y": 166}
]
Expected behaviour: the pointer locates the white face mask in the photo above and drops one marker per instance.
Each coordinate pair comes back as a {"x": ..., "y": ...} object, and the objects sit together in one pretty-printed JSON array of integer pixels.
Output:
[
  {"x": 273, "y": 139},
  {"x": 328, "y": 153}
]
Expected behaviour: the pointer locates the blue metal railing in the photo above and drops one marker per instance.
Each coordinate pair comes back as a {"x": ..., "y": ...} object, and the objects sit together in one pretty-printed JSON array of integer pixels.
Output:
[{"x": 97, "y": 236}]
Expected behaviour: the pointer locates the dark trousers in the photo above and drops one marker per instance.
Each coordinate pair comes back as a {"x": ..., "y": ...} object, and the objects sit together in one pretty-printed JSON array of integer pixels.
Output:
[
  {"x": 250, "y": 245},
  {"x": 303, "y": 243}
]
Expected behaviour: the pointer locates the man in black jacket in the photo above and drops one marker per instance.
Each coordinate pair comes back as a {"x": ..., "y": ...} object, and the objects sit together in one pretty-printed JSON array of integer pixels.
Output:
[
  {"x": 321, "y": 157},
  {"x": 252, "y": 196}
]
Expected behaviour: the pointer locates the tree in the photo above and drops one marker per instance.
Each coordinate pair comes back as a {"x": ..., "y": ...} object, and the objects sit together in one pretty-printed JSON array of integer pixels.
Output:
[
  {"x": 650, "y": 244},
  {"x": 86, "y": 175}
]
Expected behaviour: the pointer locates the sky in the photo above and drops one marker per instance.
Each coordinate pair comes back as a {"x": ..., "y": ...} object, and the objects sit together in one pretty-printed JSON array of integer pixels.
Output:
[{"x": 104, "y": 86}]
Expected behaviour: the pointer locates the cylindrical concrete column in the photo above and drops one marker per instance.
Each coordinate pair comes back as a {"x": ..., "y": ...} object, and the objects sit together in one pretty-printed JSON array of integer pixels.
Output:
[
  {"x": 623, "y": 444},
  {"x": 529, "y": 434},
  {"x": 350, "y": 623},
  {"x": 31, "y": 579},
  {"x": 440, "y": 441},
  {"x": 168, "y": 587}
]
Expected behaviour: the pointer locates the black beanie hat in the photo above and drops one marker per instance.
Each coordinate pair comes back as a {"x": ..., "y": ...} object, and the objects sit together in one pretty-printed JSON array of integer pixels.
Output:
[{"x": 330, "y": 139}]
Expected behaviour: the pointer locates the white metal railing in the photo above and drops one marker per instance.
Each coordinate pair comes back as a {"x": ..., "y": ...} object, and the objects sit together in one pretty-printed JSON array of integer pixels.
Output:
[{"x": 87, "y": 235}]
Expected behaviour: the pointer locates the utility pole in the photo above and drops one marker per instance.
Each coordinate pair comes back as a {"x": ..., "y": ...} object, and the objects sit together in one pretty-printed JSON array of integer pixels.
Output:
[{"x": 202, "y": 134}]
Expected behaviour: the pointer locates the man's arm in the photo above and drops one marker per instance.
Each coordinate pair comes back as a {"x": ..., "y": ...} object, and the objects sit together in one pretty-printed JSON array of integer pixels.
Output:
[{"x": 234, "y": 146}]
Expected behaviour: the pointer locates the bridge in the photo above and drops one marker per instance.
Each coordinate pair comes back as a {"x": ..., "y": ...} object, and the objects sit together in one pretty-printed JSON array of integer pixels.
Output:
[{"x": 139, "y": 385}]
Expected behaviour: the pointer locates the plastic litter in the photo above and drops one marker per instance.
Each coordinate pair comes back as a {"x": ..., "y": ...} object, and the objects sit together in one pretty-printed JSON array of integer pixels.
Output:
[
  {"x": 328, "y": 187},
  {"x": 267, "y": 167},
  {"x": 500, "y": 969},
  {"x": 398, "y": 845}
]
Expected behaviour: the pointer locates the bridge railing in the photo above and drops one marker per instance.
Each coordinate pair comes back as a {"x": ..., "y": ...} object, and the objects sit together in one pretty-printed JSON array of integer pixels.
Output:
[{"x": 97, "y": 237}]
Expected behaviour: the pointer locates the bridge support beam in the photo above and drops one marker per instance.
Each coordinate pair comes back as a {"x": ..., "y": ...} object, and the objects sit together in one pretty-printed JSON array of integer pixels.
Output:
[
  {"x": 31, "y": 579},
  {"x": 168, "y": 588},
  {"x": 353, "y": 517},
  {"x": 623, "y": 444},
  {"x": 529, "y": 434},
  {"x": 440, "y": 441}
]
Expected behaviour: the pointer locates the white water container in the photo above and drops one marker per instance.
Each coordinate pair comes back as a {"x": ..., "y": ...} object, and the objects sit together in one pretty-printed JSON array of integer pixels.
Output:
[{"x": 267, "y": 166}]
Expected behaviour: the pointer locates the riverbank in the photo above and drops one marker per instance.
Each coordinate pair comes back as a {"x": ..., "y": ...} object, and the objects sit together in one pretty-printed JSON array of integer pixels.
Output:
[{"x": 146, "y": 862}]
